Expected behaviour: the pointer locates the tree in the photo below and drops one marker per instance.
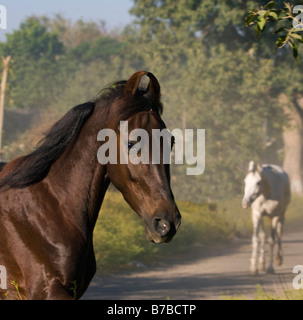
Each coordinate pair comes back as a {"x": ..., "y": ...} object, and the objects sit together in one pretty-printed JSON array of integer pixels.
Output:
[
  {"x": 284, "y": 21},
  {"x": 74, "y": 34},
  {"x": 84, "y": 42},
  {"x": 285, "y": 17},
  {"x": 101, "y": 49},
  {"x": 34, "y": 51},
  {"x": 220, "y": 78}
]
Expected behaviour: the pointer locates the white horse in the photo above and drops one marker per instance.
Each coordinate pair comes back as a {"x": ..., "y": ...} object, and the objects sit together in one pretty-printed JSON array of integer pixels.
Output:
[{"x": 267, "y": 190}]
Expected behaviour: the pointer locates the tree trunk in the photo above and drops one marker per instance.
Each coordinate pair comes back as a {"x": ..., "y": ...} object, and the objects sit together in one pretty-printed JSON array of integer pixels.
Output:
[
  {"x": 5, "y": 62},
  {"x": 292, "y": 138}
]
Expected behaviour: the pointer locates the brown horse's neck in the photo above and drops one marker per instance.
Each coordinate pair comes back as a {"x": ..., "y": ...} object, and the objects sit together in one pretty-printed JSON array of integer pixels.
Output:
[{"x": 84, "y": 181}]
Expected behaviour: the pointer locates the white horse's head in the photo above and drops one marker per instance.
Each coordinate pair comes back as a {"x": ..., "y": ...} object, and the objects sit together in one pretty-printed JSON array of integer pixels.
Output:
[{"x": 253, "y": 184}]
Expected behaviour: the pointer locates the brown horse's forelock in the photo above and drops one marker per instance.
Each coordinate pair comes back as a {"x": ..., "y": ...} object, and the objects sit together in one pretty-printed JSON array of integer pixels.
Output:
[{"x": 35, "y": 166}]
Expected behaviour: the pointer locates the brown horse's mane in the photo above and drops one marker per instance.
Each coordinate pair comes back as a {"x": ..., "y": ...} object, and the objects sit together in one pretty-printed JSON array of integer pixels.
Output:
[{"x": 34, "y": 167}]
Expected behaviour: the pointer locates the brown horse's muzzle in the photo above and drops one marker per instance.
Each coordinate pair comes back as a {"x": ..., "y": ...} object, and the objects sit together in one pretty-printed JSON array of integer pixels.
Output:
[{"x": 162, "y": 229}]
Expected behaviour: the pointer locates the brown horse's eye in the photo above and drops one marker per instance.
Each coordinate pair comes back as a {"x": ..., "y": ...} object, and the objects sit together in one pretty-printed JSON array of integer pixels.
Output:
[
  {"x": 130, "y": 144},
  {"x": 133, "y": 146}
]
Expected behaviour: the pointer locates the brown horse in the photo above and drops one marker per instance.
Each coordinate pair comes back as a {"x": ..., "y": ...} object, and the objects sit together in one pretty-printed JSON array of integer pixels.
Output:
[{"x": 50, "y": 198}]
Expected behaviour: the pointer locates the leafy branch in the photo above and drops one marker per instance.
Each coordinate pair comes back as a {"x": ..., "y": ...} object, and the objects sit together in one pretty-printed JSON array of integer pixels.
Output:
[{"x": 288, "y": 17}]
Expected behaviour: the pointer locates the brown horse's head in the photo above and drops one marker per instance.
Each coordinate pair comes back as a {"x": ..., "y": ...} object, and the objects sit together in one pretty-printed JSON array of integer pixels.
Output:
[{"x": 144, "y": 183}]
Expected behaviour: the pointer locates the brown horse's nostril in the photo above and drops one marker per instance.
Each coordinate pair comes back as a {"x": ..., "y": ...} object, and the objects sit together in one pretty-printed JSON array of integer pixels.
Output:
[{"x": 161, "y": 226}]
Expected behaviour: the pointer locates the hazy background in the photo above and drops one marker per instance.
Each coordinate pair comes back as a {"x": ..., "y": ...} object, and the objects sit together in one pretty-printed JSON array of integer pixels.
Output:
[
  {"x": 114, "y": 13},
  {"x": 214, "y": 72}
]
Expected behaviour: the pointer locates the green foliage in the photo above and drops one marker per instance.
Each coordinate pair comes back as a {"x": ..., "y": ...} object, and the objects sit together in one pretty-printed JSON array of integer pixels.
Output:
[
  {"x": 33, "y": 48},
  {"x": 73, "y": 34},
  {"x": 32, "y": 42},
  {"x": 117, "y": 235},
  {"x": 42, "y": 64},
  {"x": 101, "y": 49},
  {"x": 283, "y": 17}
]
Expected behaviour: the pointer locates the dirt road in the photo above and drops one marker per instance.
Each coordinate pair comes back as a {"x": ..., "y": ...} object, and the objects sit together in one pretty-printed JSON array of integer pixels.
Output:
[{"x": 211, "y": 273}]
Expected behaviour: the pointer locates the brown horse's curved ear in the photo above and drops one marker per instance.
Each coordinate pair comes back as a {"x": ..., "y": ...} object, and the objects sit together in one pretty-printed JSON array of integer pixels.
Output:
[{"x": 141, "y": 83}]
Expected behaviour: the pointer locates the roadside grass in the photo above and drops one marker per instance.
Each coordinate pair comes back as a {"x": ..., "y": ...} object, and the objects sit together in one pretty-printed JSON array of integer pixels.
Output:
[
  {"x": 119, "y": 237},
  {"x": 285, "y": 295},
  {"x": 261, "y": 294}
]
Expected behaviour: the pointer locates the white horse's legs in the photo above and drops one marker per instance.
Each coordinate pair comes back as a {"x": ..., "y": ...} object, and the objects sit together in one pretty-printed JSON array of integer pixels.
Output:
[
  {"x": 256, "y": 219},
  {"x": 279, "y": 258},
  {"x": 258, "y": 242},
  {"x": 262, "y": 238},
  {"x": 272, "y": 240}
]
